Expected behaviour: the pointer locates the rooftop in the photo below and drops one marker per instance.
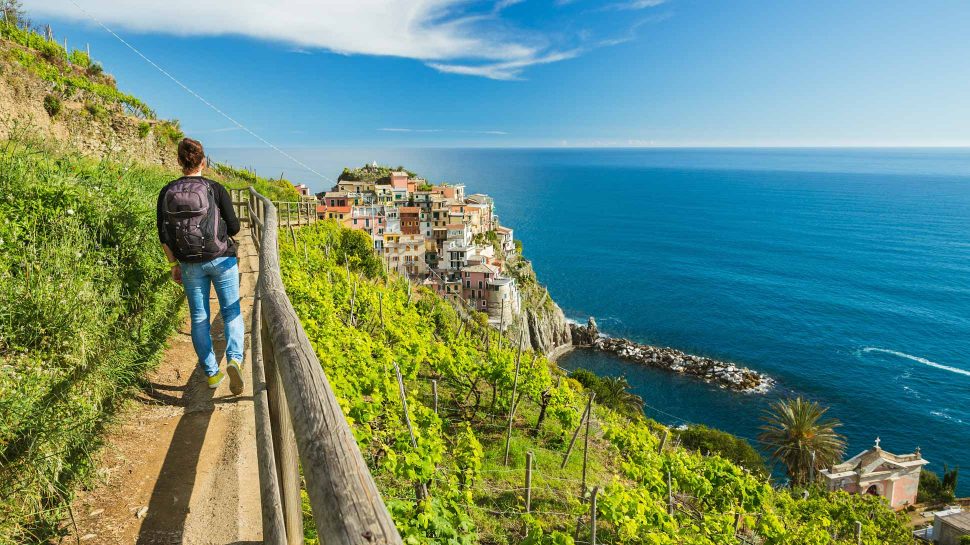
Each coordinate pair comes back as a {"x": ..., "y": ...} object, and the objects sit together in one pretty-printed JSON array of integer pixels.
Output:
[
  {"x": 483, "y": 268},
  {"x": 960, "y": 520},
  {"x": 875, "y": 459}
]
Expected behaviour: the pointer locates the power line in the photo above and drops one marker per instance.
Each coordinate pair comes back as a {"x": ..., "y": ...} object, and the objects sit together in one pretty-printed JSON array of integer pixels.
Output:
[{"x": 197, "y": 95}]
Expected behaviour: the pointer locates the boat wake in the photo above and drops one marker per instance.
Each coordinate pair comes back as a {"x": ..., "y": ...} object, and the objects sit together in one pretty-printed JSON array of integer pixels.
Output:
[{"x": 917, "y": 359}]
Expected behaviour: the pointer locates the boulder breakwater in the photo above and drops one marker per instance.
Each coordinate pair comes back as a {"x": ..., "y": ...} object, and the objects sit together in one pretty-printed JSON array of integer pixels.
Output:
[{"x": 724, "y": 374}]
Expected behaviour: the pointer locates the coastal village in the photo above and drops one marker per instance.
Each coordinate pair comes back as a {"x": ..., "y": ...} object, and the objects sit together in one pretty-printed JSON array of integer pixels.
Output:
[
  {"x": 435, "y": 235},
  {"x": 438, "y": 236}
]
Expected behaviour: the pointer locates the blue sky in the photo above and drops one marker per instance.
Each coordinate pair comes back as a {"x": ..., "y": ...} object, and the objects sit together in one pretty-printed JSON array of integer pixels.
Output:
[{"x": 542, "y": 72}]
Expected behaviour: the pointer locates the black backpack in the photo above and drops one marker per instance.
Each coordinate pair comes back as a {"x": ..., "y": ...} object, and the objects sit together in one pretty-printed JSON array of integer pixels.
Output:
[{"x": 196, "y": 230}]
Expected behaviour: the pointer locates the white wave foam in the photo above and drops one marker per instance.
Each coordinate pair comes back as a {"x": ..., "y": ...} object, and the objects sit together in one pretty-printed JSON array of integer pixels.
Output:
[{"x": 918, "y": 359}]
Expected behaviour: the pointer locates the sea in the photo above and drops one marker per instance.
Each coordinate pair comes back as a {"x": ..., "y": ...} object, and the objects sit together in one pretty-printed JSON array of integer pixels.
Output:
[{"x": 844, "y": 274}]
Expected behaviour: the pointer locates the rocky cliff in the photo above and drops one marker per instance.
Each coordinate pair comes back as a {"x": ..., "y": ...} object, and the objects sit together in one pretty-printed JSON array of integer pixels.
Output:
[{"x": 546, "y": 329}]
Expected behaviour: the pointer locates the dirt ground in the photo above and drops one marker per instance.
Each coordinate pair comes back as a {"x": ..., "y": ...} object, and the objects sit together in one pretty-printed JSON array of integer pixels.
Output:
[{"x": 181, "y": 464}]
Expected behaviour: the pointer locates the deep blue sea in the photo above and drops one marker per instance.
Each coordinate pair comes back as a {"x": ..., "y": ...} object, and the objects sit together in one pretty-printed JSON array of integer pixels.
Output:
[{"x": 843, "y": 274}]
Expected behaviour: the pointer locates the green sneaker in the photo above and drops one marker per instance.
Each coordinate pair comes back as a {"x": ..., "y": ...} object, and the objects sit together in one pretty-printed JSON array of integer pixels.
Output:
[
  {"x": 235, "y": 377},
  {"x": 216, "y": 379}
]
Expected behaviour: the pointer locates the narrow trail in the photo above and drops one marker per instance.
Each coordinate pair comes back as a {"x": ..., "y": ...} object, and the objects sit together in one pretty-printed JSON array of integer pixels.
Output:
[{"x": 180, "y": 468}]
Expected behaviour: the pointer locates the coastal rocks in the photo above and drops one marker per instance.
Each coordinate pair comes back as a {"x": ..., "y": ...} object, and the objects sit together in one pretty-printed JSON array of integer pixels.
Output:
[
  {"x": 585, "y": 335},
  {"x": 724, "y": 374}
]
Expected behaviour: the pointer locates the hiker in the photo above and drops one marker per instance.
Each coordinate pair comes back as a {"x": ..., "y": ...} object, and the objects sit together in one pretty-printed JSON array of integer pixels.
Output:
[{"x": 196, "y": 223}]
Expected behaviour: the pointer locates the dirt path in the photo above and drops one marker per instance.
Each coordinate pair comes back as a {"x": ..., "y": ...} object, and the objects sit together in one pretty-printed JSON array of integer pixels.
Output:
[{"x": 181, "y": 466}]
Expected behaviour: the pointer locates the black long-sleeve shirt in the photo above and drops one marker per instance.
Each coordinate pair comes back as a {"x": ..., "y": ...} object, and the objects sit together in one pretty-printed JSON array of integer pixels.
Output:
[{"x": 227, "y": 214}]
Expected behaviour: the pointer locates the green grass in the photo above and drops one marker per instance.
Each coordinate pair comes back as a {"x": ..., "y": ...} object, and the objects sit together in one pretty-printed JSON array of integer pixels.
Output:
[{"x": 85, "y": 309}]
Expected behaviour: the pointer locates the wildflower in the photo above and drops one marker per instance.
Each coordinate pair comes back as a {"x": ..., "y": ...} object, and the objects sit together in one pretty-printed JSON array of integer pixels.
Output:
[{"x": 70, "y": 212}]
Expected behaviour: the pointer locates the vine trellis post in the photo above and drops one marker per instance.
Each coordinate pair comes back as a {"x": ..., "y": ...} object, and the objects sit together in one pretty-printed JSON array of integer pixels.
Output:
[{"x": 299, "y": 423}]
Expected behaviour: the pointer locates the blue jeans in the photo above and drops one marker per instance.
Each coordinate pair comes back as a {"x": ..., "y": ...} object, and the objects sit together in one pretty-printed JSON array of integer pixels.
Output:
[{"x": 223, "y": 273}]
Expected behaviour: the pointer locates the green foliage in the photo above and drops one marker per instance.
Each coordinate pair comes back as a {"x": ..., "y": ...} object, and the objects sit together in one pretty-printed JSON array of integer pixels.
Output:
[
  {"x": 798, "y": 437},
  {"x": 965, "y": 540},
  {"x": 370, "y": 173},
  {"x": 934, "y": 490},
  {"x": 79, "y": 264},
  {"x": 518, "y": 246},
  {"x": 277, "y": 190},
  {"x": 143, "y": 129},
  {"x": 79, "y": 58},
  {"x": 361, "y": 321},
  {"x": 613, "y": 392},
  {"x": 710, "y": 441},
  {"x": 169, "y": 130},
  {"x": 96, "y": 110},
  {"x": 52, "y": 104}
]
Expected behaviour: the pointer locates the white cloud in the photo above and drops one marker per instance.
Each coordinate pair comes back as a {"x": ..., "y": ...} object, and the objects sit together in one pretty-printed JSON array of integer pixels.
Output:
[{"x": 442, "y": 33}]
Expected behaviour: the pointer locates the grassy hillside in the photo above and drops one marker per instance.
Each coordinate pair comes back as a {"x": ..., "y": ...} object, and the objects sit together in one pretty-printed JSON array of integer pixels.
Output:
[
  {"x": 473, "y": 496},
  {"x": 85, "y": 308}
]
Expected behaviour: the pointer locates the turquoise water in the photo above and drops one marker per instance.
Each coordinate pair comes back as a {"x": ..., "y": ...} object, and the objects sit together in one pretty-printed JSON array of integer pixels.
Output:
[{"x": 843, "y": 274}]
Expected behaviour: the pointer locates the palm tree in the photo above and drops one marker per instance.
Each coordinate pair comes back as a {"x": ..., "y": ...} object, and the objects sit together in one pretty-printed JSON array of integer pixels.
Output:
[
  {"x": 615, "y": 392},
  {"x": 800, "y": 439}
]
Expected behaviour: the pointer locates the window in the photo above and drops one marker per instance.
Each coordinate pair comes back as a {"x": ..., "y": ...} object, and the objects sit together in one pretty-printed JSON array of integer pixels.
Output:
[{"x": 479, "y": 285}]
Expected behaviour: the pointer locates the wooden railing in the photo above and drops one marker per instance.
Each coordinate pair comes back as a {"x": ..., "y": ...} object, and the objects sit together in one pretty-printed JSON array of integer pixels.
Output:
[{"x": 298, "y": 420}]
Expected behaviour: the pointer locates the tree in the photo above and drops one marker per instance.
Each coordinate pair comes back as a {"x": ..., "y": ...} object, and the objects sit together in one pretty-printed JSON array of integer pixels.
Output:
[
  {"x": 800, "y": 438},
  {"x": 615, "y": 392},
  {"x": 13, "y": 12}
]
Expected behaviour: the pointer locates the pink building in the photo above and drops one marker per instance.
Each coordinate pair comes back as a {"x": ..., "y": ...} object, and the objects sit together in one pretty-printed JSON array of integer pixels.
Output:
[
  {"x": 880, "y": 473},
  {"x": 475, "y": 280},
  {"x": 399, "y": 180}
]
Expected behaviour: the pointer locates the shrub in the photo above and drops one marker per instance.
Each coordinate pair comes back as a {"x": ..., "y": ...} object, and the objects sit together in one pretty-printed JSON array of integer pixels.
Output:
[
  {"x": 143, "y": 129},
  {"x": 52, "y": 104},
  {"x": 96, "y": 110},
  {"x": 710, "y": 441},
  {"x": 169, "y": 130},
  {"x": 79, "y": 59},
  {"x": 965, "y": 540},
  {"x": 934, "y": 490}
]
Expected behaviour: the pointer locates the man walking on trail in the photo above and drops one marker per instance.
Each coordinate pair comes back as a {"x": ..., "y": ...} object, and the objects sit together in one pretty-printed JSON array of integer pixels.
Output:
[{"x": 196, "y": 223}]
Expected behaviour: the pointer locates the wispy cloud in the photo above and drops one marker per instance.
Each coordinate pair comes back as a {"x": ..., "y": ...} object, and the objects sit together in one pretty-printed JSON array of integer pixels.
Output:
[
  {"x": 508, "y": 70},
  {"x": 631, "y": 5},
  {"x": 459, "y": 131}
]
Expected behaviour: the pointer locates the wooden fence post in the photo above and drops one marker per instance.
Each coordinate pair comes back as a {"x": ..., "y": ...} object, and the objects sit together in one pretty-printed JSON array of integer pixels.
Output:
[
  {"x": 420, "y": 489},
  {"x": 670, "y": 496},
  {"x": 434, "y": 392},
  {"x": 528, "y": 482},
  {"x": 515, "y": 386},
  {"x": 582, "y": 421},
  {"x": 274, "y": 527},
  {"x": 858, "y": 532},
  {"x": 589, "y": 418},
  {"x": 663, "y": 442},
  {"x": 592, "y": 516},
  {"x": 284, "y": 444}
]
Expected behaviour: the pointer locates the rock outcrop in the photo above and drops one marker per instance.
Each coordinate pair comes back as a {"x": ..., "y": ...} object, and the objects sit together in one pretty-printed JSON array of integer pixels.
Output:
[
  {"x": 585, "y": 335},
  {"x": 724, "y": 374}
]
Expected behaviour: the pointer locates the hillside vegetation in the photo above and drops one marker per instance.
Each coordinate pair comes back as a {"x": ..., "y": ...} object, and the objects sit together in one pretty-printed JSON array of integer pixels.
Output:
[
  {"x": 65, "y": 95},
  {"x": 86, "y": 305},
  {"x": 363, "y": 322}
]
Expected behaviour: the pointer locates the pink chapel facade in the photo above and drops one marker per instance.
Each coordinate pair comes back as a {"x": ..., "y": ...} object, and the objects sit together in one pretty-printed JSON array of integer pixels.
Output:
[{"x": 875, "y": 471}]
